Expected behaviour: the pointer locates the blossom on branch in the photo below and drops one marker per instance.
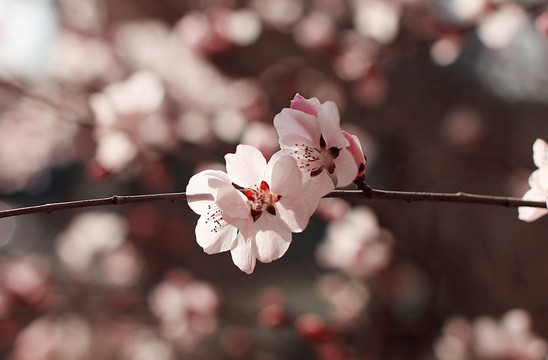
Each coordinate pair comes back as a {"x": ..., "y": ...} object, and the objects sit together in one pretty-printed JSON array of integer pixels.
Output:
[
  {"x": 538, "y": 181},
  {"x": 311, "y": 132},
  {"x": 257, "y": 222}
]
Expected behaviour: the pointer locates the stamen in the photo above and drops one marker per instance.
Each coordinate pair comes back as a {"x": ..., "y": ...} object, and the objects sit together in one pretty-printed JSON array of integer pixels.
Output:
[
  {"x": 315, "y": 160},
  {"x": 259, "y": 199},
  {"x": 215, "y": 218}
]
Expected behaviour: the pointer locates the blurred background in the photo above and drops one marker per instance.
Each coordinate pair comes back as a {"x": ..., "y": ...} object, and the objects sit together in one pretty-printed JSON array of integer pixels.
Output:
[{"x": 125, "y": 97}]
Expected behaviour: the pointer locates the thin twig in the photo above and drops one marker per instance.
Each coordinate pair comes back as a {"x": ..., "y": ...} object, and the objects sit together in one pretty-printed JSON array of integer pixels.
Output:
[{"x": 367, "y": 193}]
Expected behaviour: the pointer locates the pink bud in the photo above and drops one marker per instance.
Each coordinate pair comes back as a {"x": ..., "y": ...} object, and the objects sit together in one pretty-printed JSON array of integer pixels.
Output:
[
  {"x": 309, "y": 106},
  {"x": 355, "y": 149}
]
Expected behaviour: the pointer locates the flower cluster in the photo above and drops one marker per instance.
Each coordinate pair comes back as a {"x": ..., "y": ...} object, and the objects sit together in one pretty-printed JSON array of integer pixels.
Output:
[{"x": 253, "y": 208}]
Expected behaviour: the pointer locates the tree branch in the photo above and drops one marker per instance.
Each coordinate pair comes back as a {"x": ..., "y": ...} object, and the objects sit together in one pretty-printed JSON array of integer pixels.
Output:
[{"x": 366, "y": 193}]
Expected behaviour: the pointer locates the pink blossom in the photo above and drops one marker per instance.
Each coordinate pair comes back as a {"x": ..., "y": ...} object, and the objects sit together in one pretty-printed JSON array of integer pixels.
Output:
[
  {"x": 538, "y": 181},
  {"x": 256, "y": 223},
  {"x": 186, "y": 308},
  {"x": 311, "y": 131}
]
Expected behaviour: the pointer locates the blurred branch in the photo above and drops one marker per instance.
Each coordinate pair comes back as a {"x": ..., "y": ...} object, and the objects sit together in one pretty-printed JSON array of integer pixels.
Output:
[
  {"x": 367, "y": 193},
  {"x": 19, "y": 89}
]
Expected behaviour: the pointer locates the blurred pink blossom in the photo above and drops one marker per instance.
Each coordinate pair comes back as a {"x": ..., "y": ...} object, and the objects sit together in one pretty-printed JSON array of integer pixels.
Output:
[
  {"x": 346, "y": 299},
  {"x": 27, "y": 278},
  {"x": 27, "y": 122},
  {"x": 316, "y": 30},
  {"x": 89, "y": 237},
  {"x": 130, "y": 122},
  {"x": 279, "y": 13},
  {"x": 498, "y": 28},
  {"x": 88, "y": 16},
  {"x": 463, "y": 128},
  {"x": 243, "y": 26},
  {"x": 356, "y": 244},
  {"x": 331, "y": 209},
  {"x": 68, "y": 337},
  {"x": 485, "y": 338},
  {"x": 273, "y": 308},
  {"x": 262, "y": 136},
  {"x": 377, "y": 19},
  {"x": 69, "y": 62},
  {"x": 446, "y": 50},
  {"x": 186, "y": 308}
]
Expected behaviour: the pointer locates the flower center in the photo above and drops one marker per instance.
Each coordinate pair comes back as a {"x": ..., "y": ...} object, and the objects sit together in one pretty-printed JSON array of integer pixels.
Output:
[
  {"x": 316, "y": 160},
  {"x": 260, "y": 199}
]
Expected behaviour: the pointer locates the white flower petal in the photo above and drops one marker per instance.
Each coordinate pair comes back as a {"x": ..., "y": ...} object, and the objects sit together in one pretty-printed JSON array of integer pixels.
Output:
[
  {"x": 244, "y": 254},
  {"x": 214, "y": 242},
  {"x": 317, "y": 187},
  {"x": 246, "y": 167},
  {"x": 297, "y": 127},
  {"x": 540, "y": 152},
  {"x": 542, "y": 177},
  {"x": 234, "y": 206},
  {"x": 272, "y": 238},
  {"x": 203, "y": 187},
  {"x": 283, "y": 174},
  {"x": 295, "y": 212},
  {"x": 530, "y": 214},
  {"x": 345, "y": 168}
]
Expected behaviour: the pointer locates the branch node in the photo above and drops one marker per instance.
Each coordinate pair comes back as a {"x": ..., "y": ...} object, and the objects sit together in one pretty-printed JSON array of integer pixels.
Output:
[{"x": 366, "y": 189}]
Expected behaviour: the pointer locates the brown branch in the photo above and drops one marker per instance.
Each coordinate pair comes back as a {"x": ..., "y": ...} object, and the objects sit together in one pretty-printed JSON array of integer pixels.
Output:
[{"x": 367, "y": 193}]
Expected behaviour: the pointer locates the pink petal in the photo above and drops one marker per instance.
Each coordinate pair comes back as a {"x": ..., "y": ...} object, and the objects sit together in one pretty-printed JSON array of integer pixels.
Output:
[
  {"x": 286, "y": 179},
  {"x": 215, "y": 242},
  {"x": 296, "y": 127},
  {"x": 234, "y": 206},
  {"x": 203, "y": 187},
  {"x": 295, "y": 212},
  {"x": 329, "y": 119},
  {"x": 316, "y": 188},
  {"x": 345, "y": 168},
  {"x": 272, "y": 238},
  {"x": 244, "y": 254},
  {"x": 246, "y": 167},
  {"x": 309, "y": 106},
  {"x": 530, "y": 214},
  {"x": 283, "y": 174},
  {"x": 355, "y": 149}
]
